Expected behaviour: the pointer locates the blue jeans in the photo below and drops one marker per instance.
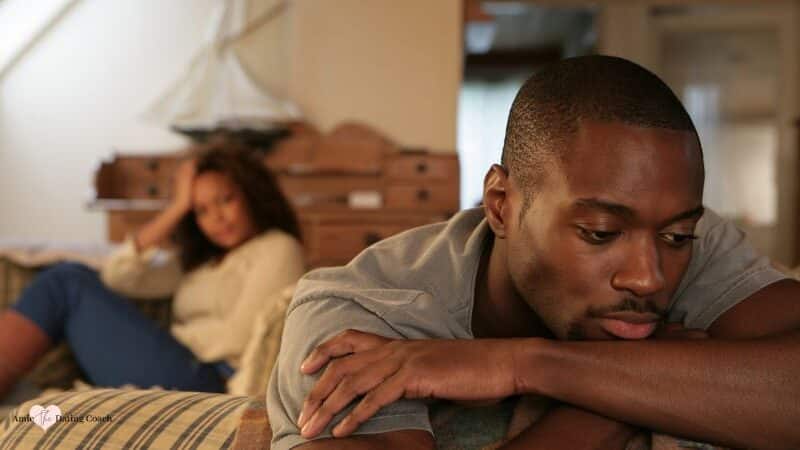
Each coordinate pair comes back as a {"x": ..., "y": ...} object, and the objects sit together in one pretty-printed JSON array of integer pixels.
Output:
[{"x": 113, "y": 342}]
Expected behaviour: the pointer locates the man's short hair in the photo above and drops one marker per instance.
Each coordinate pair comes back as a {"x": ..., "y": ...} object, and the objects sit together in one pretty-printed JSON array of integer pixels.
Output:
[{"x": 549, "y": 107}]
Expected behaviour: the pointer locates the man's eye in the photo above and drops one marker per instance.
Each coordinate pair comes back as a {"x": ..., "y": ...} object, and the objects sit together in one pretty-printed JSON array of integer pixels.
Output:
[
  {"x": 678, "y": 239},
  {"x": 597, "y": 237}
]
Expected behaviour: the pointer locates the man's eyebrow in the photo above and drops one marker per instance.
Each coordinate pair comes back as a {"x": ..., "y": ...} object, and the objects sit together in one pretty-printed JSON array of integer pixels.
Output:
[
  {"x": 690, "y": 214},
  {"x": 628, "y": 213},
  {"x": 609, "y": 207}
]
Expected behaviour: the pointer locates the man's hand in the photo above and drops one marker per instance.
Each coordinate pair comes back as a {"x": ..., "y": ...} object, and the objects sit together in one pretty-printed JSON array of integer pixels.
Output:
[{"x": 387, "y": 370}]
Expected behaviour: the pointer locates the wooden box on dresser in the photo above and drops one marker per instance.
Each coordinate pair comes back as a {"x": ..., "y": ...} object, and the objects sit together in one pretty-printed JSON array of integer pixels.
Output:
[{"x": 350, "y": 188}]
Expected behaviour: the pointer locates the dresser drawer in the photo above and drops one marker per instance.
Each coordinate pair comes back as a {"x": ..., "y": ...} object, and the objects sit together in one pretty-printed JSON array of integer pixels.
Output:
[
  {"x": 343, "y": 242},
  {"x": 422, "y": 166},
  {"x": 422, "y": 196},
  {"x": 325, "y": 190},
  {"x": 142, "y": 177},
  {"x": 333, "y": 239}
]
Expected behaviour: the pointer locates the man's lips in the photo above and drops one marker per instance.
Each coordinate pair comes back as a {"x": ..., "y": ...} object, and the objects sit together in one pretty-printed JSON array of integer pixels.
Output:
[{"x": 627, "y": 325}]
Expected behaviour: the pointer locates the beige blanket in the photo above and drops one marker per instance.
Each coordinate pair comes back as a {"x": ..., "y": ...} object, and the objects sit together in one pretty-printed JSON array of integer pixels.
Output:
[{"x": 32, "y": 253}]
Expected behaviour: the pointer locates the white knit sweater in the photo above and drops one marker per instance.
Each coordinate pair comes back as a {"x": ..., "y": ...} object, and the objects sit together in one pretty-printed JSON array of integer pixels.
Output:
[{"x": 215, "y": 305}]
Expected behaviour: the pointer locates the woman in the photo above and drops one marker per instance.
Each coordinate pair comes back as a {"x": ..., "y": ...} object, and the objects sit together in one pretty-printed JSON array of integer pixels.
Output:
[{"x": 238, "y": 242}]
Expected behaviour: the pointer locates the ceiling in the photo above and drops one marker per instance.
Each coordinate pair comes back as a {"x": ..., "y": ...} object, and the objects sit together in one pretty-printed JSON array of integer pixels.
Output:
[{"x": 520, "y": 26}]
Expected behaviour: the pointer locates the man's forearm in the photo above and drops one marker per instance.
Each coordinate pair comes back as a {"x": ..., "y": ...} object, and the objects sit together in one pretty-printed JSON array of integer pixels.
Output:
[
  {"x": 738, "y": 393},
  {"x": 395, "y": 440},
  {"x": 573, "y": 428}
]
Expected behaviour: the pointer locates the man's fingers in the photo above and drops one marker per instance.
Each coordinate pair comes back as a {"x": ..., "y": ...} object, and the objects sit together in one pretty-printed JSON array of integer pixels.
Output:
[
  {"x": 322, "y": 354},
  {"x": 348, "y": 389},
  {"x": 317, "y": 422},
  {"x": 348, "y": 370},
  {"x": 350, "y": 341},
  {"x": 387, "y": 392},
  {"x": 322, "y": 389}
]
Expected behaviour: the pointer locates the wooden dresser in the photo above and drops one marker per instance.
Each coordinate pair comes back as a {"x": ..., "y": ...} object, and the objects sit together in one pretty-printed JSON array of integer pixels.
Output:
[{"x": 350, "y": 188}]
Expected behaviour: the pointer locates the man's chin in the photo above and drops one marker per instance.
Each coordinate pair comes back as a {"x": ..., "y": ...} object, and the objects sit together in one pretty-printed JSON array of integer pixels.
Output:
[
  {"x": 577, "y": 332},
  {"x": 581, "y": 332}
]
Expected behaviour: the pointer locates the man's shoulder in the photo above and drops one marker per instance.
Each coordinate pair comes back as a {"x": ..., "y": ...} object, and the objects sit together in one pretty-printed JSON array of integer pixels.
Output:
[
  {"x": 724, "y": 270},
  {"x": 426, "y": 258},
  {"x": 417, "y": 272}
]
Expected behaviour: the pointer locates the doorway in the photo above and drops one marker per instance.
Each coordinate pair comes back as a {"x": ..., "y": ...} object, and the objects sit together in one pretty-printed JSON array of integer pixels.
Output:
[
  {"x": 733, "y": 66},
  {"x": 505, "y": 43}
]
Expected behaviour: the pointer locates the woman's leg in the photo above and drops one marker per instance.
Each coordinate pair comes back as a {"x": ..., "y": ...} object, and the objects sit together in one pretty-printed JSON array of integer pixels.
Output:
[
  {"x": 22, "y": 343},
  {"x": 114, "y": 343}
]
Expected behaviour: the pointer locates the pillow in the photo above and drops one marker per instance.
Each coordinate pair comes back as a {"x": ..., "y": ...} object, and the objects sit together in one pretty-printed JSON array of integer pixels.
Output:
[
  {"x": 262, "y": 347},
  {"x": 119, "y": 418}
]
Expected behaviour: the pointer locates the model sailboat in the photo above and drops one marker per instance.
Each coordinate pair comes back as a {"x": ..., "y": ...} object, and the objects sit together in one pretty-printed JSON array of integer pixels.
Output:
[{"x": 216, "y": 93}]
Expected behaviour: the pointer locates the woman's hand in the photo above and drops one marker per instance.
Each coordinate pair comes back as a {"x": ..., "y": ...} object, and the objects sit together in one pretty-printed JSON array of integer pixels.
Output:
[
  {"x": 385, "y": 370},
  {"x": 182, "y": 186},
  {"x": 158, "y": 230}
]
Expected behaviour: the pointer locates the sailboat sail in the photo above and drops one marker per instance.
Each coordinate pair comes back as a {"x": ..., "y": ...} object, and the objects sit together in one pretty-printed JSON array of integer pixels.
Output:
[{"x": 215, "y": 90}]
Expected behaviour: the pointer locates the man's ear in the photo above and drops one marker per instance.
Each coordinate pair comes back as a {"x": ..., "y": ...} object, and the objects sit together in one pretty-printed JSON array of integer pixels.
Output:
[{"x": 496, "y": 199}]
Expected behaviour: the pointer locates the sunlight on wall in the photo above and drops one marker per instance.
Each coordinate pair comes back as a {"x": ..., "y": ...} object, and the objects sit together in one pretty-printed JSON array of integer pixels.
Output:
[{"x": 74, "y": 97}]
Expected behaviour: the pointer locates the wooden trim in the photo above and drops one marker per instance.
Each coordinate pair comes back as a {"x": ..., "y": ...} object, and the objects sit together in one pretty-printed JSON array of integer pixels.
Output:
[{"x": 513, "y": 59}]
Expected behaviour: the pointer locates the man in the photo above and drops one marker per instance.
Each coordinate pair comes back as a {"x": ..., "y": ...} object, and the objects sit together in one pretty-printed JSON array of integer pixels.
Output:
[{"x": 592, "y": 243}]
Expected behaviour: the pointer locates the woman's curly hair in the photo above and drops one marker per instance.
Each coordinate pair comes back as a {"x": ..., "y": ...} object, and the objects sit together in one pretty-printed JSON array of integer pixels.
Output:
[{"x": 266, "y": 203}]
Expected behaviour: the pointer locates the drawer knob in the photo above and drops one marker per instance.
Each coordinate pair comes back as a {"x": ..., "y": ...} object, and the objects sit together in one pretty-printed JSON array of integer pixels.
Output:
[
  {"x": 422, "y": 167},
  {"x": 152, "y": 190},
  {"x": 152, "y": 165},
  {"x": 423, "y": 195},
  {"x": 371, "y": 238}
]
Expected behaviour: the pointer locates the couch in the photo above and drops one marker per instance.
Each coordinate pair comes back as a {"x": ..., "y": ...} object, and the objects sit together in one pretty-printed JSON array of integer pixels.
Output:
[
  {"x": 171, "y": 419},
  {"x": 129, "y": 418}
]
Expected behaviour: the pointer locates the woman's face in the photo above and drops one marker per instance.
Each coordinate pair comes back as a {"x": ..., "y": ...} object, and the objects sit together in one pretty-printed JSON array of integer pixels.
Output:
[{"x": 221, "y": 210}]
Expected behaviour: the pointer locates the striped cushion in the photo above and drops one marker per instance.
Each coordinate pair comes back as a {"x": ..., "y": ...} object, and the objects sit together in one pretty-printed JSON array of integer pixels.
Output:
[{"x": 141, "y": 419}]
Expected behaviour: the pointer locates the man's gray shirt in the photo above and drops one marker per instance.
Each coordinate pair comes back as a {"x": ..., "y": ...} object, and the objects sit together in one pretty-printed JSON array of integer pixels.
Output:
[{"x": 420, "y": 284}]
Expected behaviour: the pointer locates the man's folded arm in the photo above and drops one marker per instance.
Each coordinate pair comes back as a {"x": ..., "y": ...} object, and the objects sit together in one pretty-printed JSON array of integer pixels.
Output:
[
  {"x": 566, "y": 426},
  {"x": 738, "y": 388},
  {"x": 307, "y": 325}
]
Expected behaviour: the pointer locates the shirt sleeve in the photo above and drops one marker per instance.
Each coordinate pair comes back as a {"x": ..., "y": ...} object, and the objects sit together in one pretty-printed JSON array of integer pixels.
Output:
[
  {"x": 308, "y": 325},
  {"x": 724, "y": 270},
  {"x": 278, "y": 264},
  {"x": 152, "y": 274}
]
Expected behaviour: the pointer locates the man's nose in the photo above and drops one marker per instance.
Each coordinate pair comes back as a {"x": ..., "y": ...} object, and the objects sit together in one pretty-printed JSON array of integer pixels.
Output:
[{"x": 641, "y": 273}]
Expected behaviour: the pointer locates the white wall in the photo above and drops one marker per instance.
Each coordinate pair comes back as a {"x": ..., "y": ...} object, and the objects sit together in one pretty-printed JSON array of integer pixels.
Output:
[
  {"x": 76, "y": 95},
  {"x": 394, "y": 65}
]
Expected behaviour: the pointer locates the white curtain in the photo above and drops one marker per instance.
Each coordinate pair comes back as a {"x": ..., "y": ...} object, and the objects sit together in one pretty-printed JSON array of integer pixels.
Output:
[{"x": 215, "y": 87}]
